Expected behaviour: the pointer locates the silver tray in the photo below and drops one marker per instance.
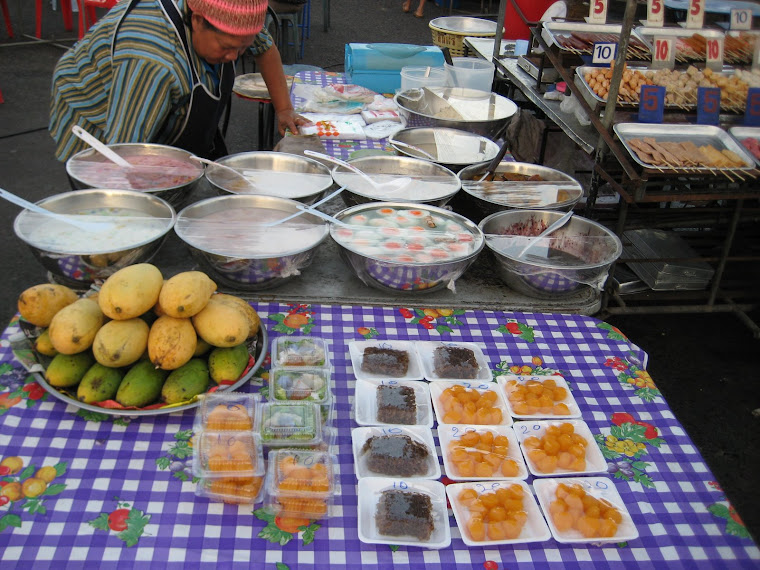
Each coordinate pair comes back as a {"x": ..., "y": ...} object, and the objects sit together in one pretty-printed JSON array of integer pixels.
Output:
[
  {"x": 259, "y": 353},
  {"x": 741, "y": 133},
  {"x": 649, "y": 33},
  {"x": 551, "y": 30},
  {"x": 698, "y": 134}
]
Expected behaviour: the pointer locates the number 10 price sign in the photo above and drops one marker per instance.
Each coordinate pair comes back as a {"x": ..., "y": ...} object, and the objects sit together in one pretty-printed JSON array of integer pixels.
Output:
[{"x": 664, "y": 54}]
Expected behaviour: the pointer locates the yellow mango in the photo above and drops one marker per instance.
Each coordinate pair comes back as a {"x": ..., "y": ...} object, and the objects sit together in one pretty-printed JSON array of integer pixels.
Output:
[
  {"x": 171, "y": 342},
  {"x": 74, "y": 327},
  {"x": 185, "y": 294},
  {"x": 120, "y": 343},
  {"x": 131, "y": 291},
  {"x": 40, "y": 303},
  {"x": 220, "y": 324},
  {"x": 254, "y": 322}
]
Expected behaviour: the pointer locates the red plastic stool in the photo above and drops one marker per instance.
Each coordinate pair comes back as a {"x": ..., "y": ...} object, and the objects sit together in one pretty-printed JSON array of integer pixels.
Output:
[
  {"x": 7, "y": 16},
  {"x": 68, "y": 19},
  {"x": 87, "y": 14}
]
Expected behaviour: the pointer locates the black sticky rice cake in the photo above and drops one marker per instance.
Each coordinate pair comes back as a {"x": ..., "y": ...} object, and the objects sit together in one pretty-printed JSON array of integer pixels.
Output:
[
  {"x": 455, "y": 362},
  {"x": 385, "y": 361},
  {"x": 405, "y": 513},
  {"x": 396, "y": 405},
  {"x": 395, "y": 455}
]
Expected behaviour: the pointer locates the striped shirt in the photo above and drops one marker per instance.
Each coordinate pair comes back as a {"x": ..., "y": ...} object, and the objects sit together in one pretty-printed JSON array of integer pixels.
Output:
[{"x": 137, "y": 95}]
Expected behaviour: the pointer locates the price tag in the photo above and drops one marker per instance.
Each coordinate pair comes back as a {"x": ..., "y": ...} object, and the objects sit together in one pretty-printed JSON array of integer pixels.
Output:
[
  {"x": 597, "y": 12},
  {"x": 655, "y": 13},
  {"x": 708, "y": 105},
  {"x": 603, "y": 53},
  {"x": 752, "y": 114},
  {"x": 695, "y": 17},
  {"x": 741, "y": 19},
  {"x": 714, "y": 49},
  {"x": 651, "y": 103},
  {"x": 664, "y": 53},
  {"x": 756, "y": 56}
]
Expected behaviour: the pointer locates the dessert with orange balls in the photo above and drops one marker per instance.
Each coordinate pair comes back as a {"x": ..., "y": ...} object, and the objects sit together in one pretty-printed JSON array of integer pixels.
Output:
[
  {"x": 301, "y": 482},
  {"x": 573, "y": 509},
  {"x": 229, "y": 465},
  {"x": 494, "y": 515},
  {"x": 463, "y": 405},
  {"x": 559, "y": 448},
  {"x": 537, "y": 397},
  {"x": 481, "y": 453},
  {"x": 226, "y": 417}
]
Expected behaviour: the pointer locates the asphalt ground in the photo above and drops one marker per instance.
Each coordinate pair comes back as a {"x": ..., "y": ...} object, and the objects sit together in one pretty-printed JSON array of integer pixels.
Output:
[{"x": 702, "y": 363}]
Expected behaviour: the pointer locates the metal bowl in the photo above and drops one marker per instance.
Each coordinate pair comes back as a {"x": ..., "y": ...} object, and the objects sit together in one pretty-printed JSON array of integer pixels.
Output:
[
  {"x": 431, "y": 183},
  {"x": 237, "y": 254},
  {"x": 277, "y": 174},
  {"x": 452, "y": 148},
  {"x": 90, "y": 169},
  {"x": 483, "y": 201},
  {"x": 407, "y": 258},
  {"x": 479, "y": 112},
  {"x": 83, "y": 257},
  {"x": 575, "y": 256}
]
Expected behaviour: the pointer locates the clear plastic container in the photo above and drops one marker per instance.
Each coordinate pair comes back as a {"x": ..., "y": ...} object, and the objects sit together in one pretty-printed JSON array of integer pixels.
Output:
[
  {"x": 290, "y": 424},
  {"x": 384, "y": 508},
  {"x": 407, "y": 452},
  {"x": 593, "y": 460},
  {"x": 312, "y": 352},
  {"x": 447, "y": 410},
  {"x": 227, "y": 411},
  {"x": 387, "y": 359},
  {"x": 300, "y": 473},
  {"x": 471, "y": 73},
  {"x": 512, "y": 497},
  {"x": 392, "y": 402},
  {"x": 227, "y": 454},
  {"x": 470, "y": 453},
  {"x": 522, "y": 394},
  {"x": 312, "y": 508},
  {"x": 414, "y": 77},
  {"x": 302, "y": 385},
  {"x": 453, "y": 361},
  {"x": 225, "y": 490},
  {"x": 600, "y": 488}
]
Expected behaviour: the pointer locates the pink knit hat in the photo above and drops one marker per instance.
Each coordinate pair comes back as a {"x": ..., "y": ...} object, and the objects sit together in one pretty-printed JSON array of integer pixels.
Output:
[{"x": 235, "y": 17}]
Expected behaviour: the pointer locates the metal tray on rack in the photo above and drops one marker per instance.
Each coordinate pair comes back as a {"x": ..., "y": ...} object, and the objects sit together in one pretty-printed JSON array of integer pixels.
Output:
[
  {"x": 742, "y": 57},
  {"x": 741, "y": 133},
  {"x": 698, "y": 134},
  {"x": 552, "y": 31},
  {"x": 648, "y": 34}
]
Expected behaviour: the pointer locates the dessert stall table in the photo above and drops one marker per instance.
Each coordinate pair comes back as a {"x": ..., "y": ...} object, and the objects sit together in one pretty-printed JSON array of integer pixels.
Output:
[{"x": 90, "y": 490}]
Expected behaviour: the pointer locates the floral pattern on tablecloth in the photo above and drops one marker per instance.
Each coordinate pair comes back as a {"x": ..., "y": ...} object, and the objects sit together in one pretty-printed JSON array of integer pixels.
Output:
[
  {"x": 624, "y": 446},
  {"x": 438, "y": 320},
  {"x": 127, "y": 523},
  {"x": 24, "y": 489},
  {"x": 630, "y": 374}
]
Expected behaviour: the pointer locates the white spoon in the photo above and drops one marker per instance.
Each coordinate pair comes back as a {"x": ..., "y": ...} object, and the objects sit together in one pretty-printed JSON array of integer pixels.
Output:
[
  {"x": 414, "y": 149},
  {"x": 304, "y": 211},
  {"x": 80, "y": 133},
  {"x": 552, "y": 228},
  {"x": 250, "y": 186},
  {"x": 390, "y": 186}
]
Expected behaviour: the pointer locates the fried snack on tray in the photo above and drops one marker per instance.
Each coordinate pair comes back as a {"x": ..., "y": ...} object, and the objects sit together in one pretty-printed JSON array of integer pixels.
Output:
[{"x": 683, "y": 154}]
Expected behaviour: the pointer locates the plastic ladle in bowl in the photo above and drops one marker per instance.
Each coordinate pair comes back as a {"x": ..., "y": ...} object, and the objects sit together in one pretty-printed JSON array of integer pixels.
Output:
[
  {"x": 416, "y": 149},
  {"x": 494, "y": 164},
  {"x": 390, "y": 186},
  {"x": 248, "y": 186},
  {"x": 80, "y": 133},
  {"x": 551, "y": 229}
]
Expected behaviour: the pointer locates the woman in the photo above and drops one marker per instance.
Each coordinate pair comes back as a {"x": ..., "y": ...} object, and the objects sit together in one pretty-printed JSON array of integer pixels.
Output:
[{"x": 159, "y": 72}]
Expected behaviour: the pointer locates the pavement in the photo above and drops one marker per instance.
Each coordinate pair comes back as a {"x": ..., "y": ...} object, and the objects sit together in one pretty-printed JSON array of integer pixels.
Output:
[{"x": 702, "y": 363}]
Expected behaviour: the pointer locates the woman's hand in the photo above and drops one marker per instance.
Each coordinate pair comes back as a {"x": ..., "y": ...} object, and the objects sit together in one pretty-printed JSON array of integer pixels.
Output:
[{"x": 289, "y": 120}]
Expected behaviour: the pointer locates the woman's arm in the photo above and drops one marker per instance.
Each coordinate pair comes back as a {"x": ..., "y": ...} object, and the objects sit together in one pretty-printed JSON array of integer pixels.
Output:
[{"x": 269, "y": 64}]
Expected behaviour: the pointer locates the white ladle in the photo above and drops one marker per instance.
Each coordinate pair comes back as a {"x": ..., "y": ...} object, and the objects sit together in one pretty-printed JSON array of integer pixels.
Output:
[
  {"x": 94, "y": 226},
  {"x": 390, "y": 186},
  {"x": 80, "y": 133},
  {"x": 304, "y": 210},
  {"x": 249, "y": 185},
  {"x": 552, "y": 228},
  {"x": 414, "y": 149}
]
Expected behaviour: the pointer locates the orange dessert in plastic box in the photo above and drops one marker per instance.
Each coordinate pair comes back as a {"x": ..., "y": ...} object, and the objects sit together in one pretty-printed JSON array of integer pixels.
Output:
[
  {"x": 227, "y": 411},
  {"x": 300, "y": 483},
  {"x": 230, "y": 465}
]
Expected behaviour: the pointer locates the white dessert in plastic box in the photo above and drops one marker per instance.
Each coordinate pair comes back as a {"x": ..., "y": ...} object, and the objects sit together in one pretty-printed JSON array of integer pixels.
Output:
[
  {"x": 222, "y": 411},
  {"x": 308, "y": 351},
  {"x": 600, "y": 488},
  {"x": 302, "y": 385},
  {"x": 401, "y": 464},
  {"x": 370, "y": 492},
  {"x": 534, "y": 529},
  {"x": 427, "y": 353},
  {"x": 356, "y": 350},
  {"x": 595, "y": 462},
  {"x": 366, "y": 402},
  {"x": 450, "y": 437},
  {"x": 438, "y": 388},
  {"x": 510, "y": 382},
  {"x": 290, "y": 424}
]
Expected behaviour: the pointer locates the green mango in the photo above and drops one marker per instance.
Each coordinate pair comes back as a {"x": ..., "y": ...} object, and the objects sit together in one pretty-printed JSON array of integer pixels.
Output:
[
  {"x": 67, "y": 370},
  {"x": 141, "y": 385},
  {"x": 227, "y": 364},
  {"x": 185, "y": 382},
  {"x": 99, "y": 383}
]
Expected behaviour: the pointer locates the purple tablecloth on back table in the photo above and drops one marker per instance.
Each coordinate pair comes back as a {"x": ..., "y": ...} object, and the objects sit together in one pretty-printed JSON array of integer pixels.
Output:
[{"x": 117, "y": 492}]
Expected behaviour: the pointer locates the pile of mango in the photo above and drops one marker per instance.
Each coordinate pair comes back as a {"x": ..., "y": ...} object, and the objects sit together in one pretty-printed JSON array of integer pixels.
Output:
[{"x": 141, "y": 340}]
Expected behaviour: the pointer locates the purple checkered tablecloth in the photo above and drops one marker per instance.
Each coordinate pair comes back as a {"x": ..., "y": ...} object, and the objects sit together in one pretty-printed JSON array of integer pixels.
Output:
[{"x": 88, "y": 490}]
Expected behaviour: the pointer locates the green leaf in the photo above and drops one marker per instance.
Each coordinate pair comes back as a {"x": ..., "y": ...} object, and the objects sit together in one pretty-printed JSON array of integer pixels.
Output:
[
  {"x": 443, "y": 329},
  {"x": 502, "y": 329},
  {"x": 720, "y": 510},
  {"x": 459, "y": 311},
  {"x": 181, "y": 450},
  {"x": 656, "y": 441},
  {"x": 264, "y": 515},
  {"x": 735, "y": 529},
  {"x": 100, "y": 523},
  {"x": 34, "y": 506},
  {"x": 620, "y": 475},
  {"x": 283, "y": 329},
  {"x": 5, "y": 367},
  {"x": 181, "y": 475},
  {"x": 4, "y": 411},
  {"x": 641, "y": 465},
  {"x": 60, "y": 468},
  {"x": 415, "y": 321},
  {"x": 419, "y": 312},
  {"x": 92, "y": 416},
  {"x": 647, "y": 394},
  {"x": 643, "y": 478},
  {"x": 163, "y": 462},
  {"x": 274, "y": 534},
  {"x": 130, "y": 536},
  {"x": 277, "y": 317},
  {"x": 10, "y": 520},
  {"x": 56, "y": 489},
  {"x": 308, "y": 532},
  {"x": 393, "y": 547},
  {"x": 27, "y": 472},
  {"x": 184, "y": 435},
  {"x": 30, "y": 403},
  {"x": 307, "y": 328},
  {"x": 281, "y": 566},
  {"x": 118, "y": 421}
]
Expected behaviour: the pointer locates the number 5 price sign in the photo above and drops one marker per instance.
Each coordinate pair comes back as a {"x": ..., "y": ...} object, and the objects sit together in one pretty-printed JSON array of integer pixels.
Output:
[
  {"x": 651, "y": 103},
  {"x": 655, "y": 13},
  {"x": 708, "y": 105},
  {"x": 597, "y": 12},
  {"x": 695, "y": 17},
  {"x": 752, "y": 114}
]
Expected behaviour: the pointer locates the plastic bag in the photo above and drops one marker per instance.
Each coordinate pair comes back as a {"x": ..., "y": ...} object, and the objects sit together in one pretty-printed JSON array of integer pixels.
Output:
[
  {"x": 382, "y": 129},
  {"x": 571, "y": 105}
]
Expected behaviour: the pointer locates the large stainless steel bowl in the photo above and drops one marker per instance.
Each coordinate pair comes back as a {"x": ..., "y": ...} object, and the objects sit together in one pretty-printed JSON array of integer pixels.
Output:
[
  {"x": 277, "y": 174},
  {"x": 225, "y": 234},
  {"x": 577, "y": 255},
  {"x": 410, "y": 257},
  {"x": 453, "y": 148},
  {"x": 90, "y": 169},
  {"x": 479, "y": 112},
  {"x": 430, "y": 183},
  {"x": 83, "y": 257},
  {"x": 478, "y": 201}
]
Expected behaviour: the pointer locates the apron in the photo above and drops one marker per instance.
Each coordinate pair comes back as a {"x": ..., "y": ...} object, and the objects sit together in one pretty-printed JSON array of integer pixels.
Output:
[{"x": 200, "y": 131}]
